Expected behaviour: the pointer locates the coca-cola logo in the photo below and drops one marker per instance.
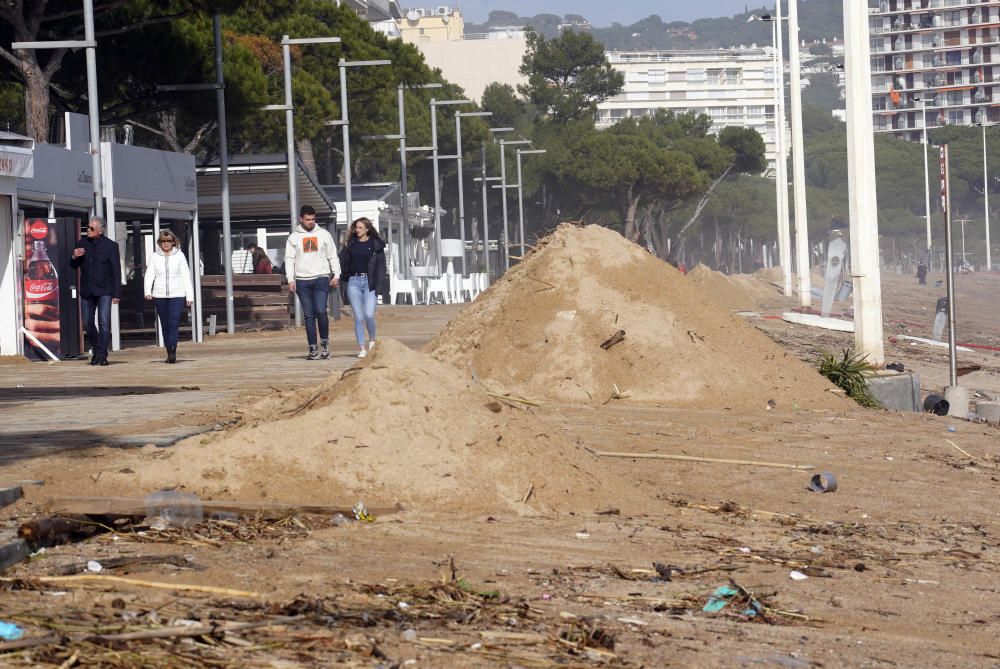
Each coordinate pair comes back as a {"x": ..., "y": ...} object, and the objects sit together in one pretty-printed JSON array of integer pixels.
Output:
[
  {"x": 38, "y": 229},
  {"x": 39, "y": 289}
]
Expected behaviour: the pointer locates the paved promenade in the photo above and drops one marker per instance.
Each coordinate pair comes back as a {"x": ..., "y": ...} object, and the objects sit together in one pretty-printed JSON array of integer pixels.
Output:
[{"x": 138, "y": 399}]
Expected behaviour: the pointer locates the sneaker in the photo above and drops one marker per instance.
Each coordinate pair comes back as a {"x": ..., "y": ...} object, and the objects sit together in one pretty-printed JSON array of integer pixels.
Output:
[
  {"x": 371, "y": 345},
  {"x": 324, "y": 349},
  {"x": 313, "y": 353},
  {"x": 362, "y": 353}
]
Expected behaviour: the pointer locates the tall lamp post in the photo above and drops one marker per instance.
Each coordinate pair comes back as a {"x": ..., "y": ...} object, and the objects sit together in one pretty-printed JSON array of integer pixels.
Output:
[
  {"x": 345, "y": 125},
  {"x": 927, "y": 177},
  {"x": 781, "y": 152},
  {"x": 404, "y": 204},
  {"x": 986, "y": 199},
  {"x": 89, "y": 43},
  {"x": 227, "y": 238},
  {"x": 437, "y": 185},
  {"x": 798, "y": 157},
  {"x": 503, "y": 188},
  {"x": 288, "y": 108},
  {"x": 520, "y": 190},
  {"x": 461, "y": 185}
]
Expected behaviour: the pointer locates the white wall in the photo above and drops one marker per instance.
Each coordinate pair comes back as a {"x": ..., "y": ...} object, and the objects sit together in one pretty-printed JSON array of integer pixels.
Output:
[{"x": 474, "y": 64}]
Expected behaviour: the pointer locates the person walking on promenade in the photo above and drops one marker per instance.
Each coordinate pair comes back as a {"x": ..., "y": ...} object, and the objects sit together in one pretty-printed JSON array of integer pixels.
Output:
[
  {"x": 167, "y": 282},
  {"x": 363, "y": 263},
  {"x": 100, "y": 267},
  {"x": 312, "y": 266},
  {"x": 921, "y": 273}
]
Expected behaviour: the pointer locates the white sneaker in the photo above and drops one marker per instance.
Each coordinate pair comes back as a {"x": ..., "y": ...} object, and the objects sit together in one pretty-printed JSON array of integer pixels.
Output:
[
  {"x": 371, "y": 345},
  {"x": 362, "y": 353}
]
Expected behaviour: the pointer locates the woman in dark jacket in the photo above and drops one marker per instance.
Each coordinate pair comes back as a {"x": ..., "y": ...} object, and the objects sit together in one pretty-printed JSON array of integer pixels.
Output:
[{"x": 362, "y": 266}]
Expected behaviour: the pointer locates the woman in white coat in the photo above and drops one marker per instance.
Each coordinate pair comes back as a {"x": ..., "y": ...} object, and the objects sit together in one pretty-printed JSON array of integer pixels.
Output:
[{"x": 168, "y": 283}]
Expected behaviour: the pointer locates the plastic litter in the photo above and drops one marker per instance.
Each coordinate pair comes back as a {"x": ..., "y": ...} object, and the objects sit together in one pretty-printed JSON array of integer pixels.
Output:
[
  {"x": 171, "y": 508},
  {"x": 720, "y": 598},
  {"x": 10, "y": 631},
  {"x": 340, "y": 520},
  {"x": 410, "y": 635},
  {"x": 797, "y": 576},
  {"x": 951, "y": 428},
  {"x": 94, "y": 566},
  {"x": 823, "y": 482},
  {"x": 361, "y": 513}
]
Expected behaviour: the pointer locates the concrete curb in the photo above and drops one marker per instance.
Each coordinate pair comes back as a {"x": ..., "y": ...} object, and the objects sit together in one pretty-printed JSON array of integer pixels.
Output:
[
  {"x": 10, "y": 494},
  {"x": 12, "y": 551}
]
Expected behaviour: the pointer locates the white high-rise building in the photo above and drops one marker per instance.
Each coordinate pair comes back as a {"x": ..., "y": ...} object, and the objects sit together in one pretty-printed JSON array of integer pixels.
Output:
[
  {"x": 942, "y": 55},
  {"x": 735, "y": 87}
]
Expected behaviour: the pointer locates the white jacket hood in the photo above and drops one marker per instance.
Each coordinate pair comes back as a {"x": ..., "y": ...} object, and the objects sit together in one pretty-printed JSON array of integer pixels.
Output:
[{"x": 168, "y": 275}]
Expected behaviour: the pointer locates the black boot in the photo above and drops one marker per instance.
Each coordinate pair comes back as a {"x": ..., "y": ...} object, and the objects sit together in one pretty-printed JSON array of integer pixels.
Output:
[{"x": 172, "y": 354}]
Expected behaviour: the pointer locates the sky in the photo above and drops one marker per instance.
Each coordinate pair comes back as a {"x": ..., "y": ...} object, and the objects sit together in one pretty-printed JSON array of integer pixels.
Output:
[{"x": 600, "y": 13}]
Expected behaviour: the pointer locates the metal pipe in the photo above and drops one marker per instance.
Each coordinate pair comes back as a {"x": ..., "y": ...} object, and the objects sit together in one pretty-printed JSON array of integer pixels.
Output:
[
  {"x": 986, "y": 200},
  {"x": 949, "y": 264},
  {"x": 293, "y": 196},
  {"x": 461, "y": 189},
  {"x": 227, "y": 237},
  {"x": 404, "y": 228},
  {"x": 784, "y": 233},
  {"x": 345, "y": 129},
  {"x": 437, "y": 185},
  {"x": 927, "y": 185},
  {"x": 503, "y": 194},
  {"x": 486, "y": 219},
  {"x": 93, "y": 108},
  {"x": 520, "y": 203}
]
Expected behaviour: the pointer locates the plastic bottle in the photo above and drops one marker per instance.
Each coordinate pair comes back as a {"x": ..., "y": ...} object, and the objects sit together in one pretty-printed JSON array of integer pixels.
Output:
[{"x": 172, "y": 508}]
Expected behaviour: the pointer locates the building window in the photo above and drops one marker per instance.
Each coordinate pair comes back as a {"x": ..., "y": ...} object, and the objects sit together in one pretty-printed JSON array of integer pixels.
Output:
[
  {"x": 956, "y": 117},
  {"x": 696, "y": 76},
  {"x": 657, "y": 77},
  {"x": 733, "y": 76},
  {"x": 714, "y": 77}
]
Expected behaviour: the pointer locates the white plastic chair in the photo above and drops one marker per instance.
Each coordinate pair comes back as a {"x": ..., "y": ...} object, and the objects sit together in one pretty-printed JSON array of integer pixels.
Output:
[
  {"x": 455, "y": 285},
  {"x": 438, "y": 286},
  {"x": 470, "y": 286},
  {"x": 400, "y": 286}
]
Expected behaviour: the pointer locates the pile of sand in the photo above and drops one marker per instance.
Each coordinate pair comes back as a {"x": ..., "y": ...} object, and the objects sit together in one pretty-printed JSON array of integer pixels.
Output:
[
  {"x": 400, "y": 427},
  {"x": 538, "y": 332},
  {"x": 730, "y": 292}
]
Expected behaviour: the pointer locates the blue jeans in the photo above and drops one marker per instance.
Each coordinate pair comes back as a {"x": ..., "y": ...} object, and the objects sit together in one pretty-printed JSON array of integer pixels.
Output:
[
  {"x": 169, "y": 310},
  {"x": 99, "y": 334},
  {"x": 363, "y": 306},
  {"x": 313, "y": 294}
]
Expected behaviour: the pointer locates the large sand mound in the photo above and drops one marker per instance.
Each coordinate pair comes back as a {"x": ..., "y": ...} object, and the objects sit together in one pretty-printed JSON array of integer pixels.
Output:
[
  {"x": 729, "y": 292},
  {"x": 400, "y": 427},
  {"x": 538, "y": 332}
]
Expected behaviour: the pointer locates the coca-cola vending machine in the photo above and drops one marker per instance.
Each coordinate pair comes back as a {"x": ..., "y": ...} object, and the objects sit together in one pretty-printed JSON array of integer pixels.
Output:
[{"x": 51, "y": 309}]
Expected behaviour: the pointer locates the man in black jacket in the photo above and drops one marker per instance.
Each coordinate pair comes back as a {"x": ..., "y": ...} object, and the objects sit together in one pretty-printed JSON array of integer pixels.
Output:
[{"x": 100, "y": 285}]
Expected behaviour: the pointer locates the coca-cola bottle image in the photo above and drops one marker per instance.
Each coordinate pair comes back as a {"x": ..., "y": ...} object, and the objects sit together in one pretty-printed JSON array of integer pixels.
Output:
[{"x": 41, "y": 297}]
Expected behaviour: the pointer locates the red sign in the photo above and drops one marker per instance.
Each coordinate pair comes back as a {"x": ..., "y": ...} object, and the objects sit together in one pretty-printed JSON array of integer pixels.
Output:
[{"x": 38, "y": 229}]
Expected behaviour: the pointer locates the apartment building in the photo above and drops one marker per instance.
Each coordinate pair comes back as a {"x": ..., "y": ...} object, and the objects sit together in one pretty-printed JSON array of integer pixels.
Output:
[
  {"x": 471, "y": 60},
  {"x": 735, "y": 87},
  {"x": 934, "y": 63}
]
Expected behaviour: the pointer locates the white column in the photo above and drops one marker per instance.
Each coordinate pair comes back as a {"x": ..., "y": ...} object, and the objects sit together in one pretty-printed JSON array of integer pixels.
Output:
[
  {"x": 986, "y": 199},
  {"x": 798, "y": 158},
  {"x": 784, "y": 234},
  {"x": 861, "y": 184}
]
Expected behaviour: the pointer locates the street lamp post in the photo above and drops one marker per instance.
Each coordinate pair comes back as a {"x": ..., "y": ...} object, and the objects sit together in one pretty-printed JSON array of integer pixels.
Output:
[
  {"x": 461, "y": 185},
  {"x": 89, "y": 42},
  {"x": 437, "y": 185},
  {"x": 520, "y": 191},
  {"x": 503, "y": 189},
  {"x": 289, "y": 109},
  {"x": 986, "y": 199},
  {"x": 345, "y": 124},
  {"x": 780, "y": 162},
  {"x": 927, "y": 178},
  {"x": 220, "y": 108},
  {"x": 404, "y": 204}
]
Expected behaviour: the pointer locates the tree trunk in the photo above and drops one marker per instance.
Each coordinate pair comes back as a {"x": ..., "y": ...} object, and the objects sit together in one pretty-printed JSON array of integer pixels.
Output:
[
  {"x": 36, "y": 100},
  {"x": 631, "y": 229}
]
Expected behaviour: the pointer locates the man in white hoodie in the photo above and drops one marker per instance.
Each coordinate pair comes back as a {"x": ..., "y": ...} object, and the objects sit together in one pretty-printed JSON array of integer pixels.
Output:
[{"x": 312, "y": 266}]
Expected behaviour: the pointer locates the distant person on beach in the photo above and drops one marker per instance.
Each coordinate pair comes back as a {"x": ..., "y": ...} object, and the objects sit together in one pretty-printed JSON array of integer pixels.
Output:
[
  {"x": 922, "y": 273},
  {"x": 167, "y": 283},
  {"x": 312, "y": 266},
  {"x": 363, "y": 263}
]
